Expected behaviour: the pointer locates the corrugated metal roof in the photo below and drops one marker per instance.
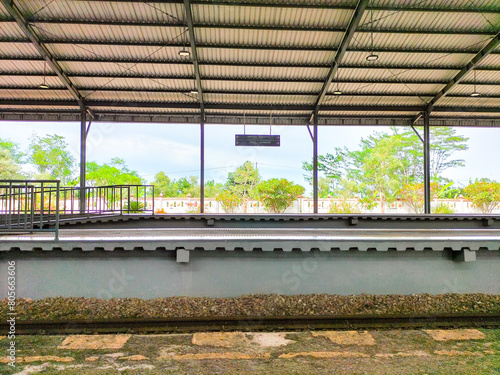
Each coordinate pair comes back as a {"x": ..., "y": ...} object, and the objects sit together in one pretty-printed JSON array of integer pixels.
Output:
[
  {"x": 255, "y": 56},
  {"x": 468, "y": 89},
  {"x": 282, "y": 3},
  {"x": 373, "y": 100},
  {"x": 388, "y": 88},
  {"x": 26, "y": 81},
  {"x": 259, "y": 99},
  {"x": 260, "y": 112},
  {"x": 215, "y": 14},
  {"x": 365, "y": 113},
  {"x": 408, "y": 42},
  {"x": 404, "y": 75},
  {"x": 11, "y": 30},
  {"x": 428, "y": 20},
  {"x": 274, "y": 87},
  {"x": 136, "y": 96},
  {"x": 30, "y": 107},
  {"x": 87, "y": 51},
  {"x": 103, "y": 10},
  {"x": 135, "y": 83},
  {"x": 148, "y": 110},
  {"x": 40, "y": 94},
  {"x": 464, "y": 114},
  {"x": 105, "y": 49},
  {"x": 18, "y": 50},
  {"x": 279, "y": 38},
  {"x": 469, "y": 102},
  {"x": 27, "y": 67},
  {"x": 423, "y": 59},
  {"x": 124, "y": 68},
  {"x": 263, "y": 72},
  {"x": 491, "y": 61},
  {"x": 111, "y": 33},
  {"x": 462, "y": 4}
]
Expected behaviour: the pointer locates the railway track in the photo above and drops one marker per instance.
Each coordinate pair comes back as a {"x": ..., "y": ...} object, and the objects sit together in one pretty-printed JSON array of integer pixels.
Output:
[{"x": 269, "y": 323}]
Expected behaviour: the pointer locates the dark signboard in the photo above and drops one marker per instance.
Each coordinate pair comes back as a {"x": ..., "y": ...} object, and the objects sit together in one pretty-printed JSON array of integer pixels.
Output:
[{"x": 257, "y": 140}]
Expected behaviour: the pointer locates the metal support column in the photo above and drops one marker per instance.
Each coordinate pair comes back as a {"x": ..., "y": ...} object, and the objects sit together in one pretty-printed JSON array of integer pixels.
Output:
[
  {"x": 83, "y": 157},
  {"x": 315, "y": 163},
  {"x": 427, "y": 166},
  {"x": 202, "y": 165}
]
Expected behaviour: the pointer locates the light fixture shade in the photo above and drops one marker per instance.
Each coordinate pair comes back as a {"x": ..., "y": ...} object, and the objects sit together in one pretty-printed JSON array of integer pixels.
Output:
[
  {"x": 372, "y": 57},
  {"x": 184, "y": 53},
  {"x": 193, "y": 92},
  {"x": 475, "y": 93},
  {"x": 337, "y": 92},
  {"x": 43, "y": 86}
]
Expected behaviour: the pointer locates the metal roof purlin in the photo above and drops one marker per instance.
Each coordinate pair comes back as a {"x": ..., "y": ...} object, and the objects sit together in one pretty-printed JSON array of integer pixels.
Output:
[
  {"x": 461, "y": 75},
  {"x": 35, "y": 40},
  {"x": 346, "y": 40},
  {"x": 192, "y": 40}
]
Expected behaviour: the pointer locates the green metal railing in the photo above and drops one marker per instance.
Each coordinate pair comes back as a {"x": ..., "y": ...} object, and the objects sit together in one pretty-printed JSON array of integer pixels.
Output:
[{"x": 29, "y": 206}]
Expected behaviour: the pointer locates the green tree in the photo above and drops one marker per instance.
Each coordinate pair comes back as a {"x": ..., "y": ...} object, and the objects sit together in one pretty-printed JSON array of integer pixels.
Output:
[
  {"x": 444, "y": 142},
  {"x": 278, "y": 194},
  {"x": 9, "y": 169},
  {"x": 386, "y": 162},
  {"x": 378, "y": 168},
  {"x": 187, "y": 185},
  {"x": 331, "y": 165},
  {"x": 212, "y": 189},
  {"x": 229, "y": 201},
  {"x": 484, "y": 194},
  {"x": 51, "y": 158},
  {"x": 114, "y": 173},
  {"x": 324, "y": 187},
  {"x": 164, "y": 185},
  {"x": 13, "y": 149},
  {"x": 243, "y": 181}
]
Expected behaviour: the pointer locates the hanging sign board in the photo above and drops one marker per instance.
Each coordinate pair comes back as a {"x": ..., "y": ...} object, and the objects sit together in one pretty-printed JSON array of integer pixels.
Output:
[{"x": 257, "y": 140}]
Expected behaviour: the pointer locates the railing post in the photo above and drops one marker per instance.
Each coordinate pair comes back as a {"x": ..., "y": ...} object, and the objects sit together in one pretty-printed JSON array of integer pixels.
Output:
[
  {"x": 57, "y": 210},
  {"x": 427, "y": 167},
  {"x": 315, "y": 164},
  {"x": 83, "y": 157}
]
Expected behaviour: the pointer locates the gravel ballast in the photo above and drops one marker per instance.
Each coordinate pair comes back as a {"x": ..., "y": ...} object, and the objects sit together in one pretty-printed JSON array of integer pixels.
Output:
[{"x": 76, "y": 308}]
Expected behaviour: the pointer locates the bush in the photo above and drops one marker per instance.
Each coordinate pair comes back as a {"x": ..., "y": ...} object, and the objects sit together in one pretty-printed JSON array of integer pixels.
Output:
[
  {"x": 413, "y": 195},
  {"x": 344, "y": 207},
  {"x": 133, "y": 207},
  {"x": 229, "y": 201},
  {"x": 484, "y": 194},
  {"x": 443, "y": 209},
  {"x": 278, "y": 194}
]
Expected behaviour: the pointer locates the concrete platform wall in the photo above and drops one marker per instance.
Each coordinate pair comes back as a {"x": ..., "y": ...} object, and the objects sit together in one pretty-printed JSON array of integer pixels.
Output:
[{"x": 155, "y": 274}]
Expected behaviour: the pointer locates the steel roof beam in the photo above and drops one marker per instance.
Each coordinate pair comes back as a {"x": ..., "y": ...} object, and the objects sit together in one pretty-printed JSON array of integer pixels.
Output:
[
  {"x": 236, "y": 79},
  {"x": 257, "y": 27},
  {"x": 488, "y": 9},
  {"x": 241, "y": 46},
  {"x": 489, "y": 48},
  {"x": 42, "y": 50},
  {"x": 243, "y": 106},
  {"x": 247, "y": 92},
  {"x": 306, "y": 116},
  {"x": 346, "y": 40},
  {"x": 192, "y": 40},
  {"x": 244, "y": 64}
]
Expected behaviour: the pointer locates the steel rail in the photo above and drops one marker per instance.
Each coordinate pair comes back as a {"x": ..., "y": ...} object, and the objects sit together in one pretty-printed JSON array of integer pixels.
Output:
[{"x": 254, "y": 323}]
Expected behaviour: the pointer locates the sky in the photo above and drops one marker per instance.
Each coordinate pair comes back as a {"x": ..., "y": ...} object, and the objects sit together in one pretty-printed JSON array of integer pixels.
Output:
[{"x": 174, "y": 148}]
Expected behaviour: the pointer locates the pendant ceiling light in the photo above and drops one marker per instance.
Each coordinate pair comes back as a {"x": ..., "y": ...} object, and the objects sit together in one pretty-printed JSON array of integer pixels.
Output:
[
  {"x": 475, "y": 93},
  {"x": 44, "y": 84},
  {"x": 372, "y": 56}
]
